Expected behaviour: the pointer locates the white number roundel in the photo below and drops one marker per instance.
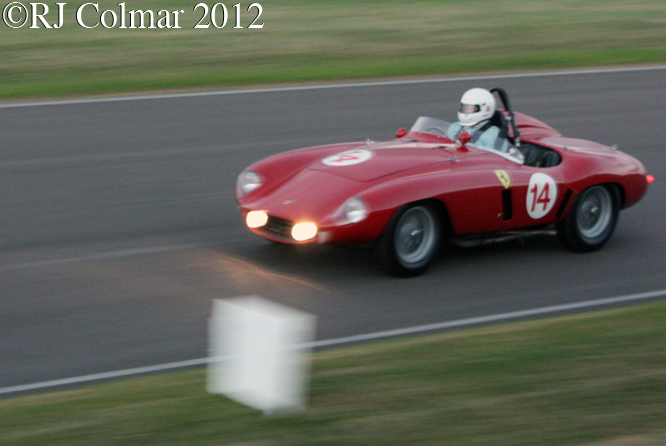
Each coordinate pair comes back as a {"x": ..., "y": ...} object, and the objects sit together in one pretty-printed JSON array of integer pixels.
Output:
[
  {"x": 541, "y": 195},
  {"x": 348, "y": 158}
]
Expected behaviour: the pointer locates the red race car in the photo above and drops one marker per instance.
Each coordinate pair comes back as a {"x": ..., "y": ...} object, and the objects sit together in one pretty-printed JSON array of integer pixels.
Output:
[{"x": 437, "y": 183}]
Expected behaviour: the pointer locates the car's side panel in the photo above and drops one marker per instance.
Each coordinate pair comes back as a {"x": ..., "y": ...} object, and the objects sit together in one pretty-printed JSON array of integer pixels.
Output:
[
  {"x": 536, "y": 196},
  {"x": 473, "y": 199}
]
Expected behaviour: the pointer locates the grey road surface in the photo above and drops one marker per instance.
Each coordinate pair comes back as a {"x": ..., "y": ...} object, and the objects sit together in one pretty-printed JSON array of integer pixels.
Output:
[{"x": 118, "y": 225}]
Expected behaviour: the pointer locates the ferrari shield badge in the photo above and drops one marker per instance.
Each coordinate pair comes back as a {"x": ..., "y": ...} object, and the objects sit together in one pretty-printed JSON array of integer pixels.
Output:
[{"x": 504, "y": 178}]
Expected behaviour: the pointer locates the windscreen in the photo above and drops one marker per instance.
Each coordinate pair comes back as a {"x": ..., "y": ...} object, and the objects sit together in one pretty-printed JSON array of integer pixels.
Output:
[
  {"x": 490, "y": 141},
  {"x": 432, "y": 126}
]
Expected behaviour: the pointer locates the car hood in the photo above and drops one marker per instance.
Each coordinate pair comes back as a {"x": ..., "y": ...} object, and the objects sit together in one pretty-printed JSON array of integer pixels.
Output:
[
  {"x": 308, "y": 196},
  {"x": 373, "y": 161}
]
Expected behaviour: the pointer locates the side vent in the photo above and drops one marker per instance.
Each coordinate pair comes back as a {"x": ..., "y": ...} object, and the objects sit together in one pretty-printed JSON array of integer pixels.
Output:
[
  {"x": 565, "y": 202},
  {"x": 507, "y": 204}
]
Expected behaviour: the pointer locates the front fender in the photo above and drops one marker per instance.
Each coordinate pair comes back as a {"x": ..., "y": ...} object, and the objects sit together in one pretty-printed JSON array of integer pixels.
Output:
[{"x": 280, "y": 168}]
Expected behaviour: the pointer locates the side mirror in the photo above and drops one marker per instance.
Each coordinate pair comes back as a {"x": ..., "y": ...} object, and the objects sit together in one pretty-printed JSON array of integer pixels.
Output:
[
  {"x": 464, "y": 138},
  {"x": 400, "y": 133}
]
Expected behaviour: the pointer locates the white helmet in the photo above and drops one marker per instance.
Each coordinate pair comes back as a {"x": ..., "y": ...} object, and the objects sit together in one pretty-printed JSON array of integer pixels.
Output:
[{"x": 476, "y": 105}]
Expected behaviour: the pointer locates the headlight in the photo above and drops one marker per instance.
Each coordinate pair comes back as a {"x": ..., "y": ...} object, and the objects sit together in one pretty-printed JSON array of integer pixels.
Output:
[
  {"x": 247, "y": 182},
  {"x": 354, "y": 210},
  {"x": 256, "y": 219},
  {"x": 304, "y": 231}
]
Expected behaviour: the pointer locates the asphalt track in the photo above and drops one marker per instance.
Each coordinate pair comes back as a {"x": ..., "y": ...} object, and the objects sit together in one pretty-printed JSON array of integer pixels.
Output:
[{"x": 118, "y": 225}]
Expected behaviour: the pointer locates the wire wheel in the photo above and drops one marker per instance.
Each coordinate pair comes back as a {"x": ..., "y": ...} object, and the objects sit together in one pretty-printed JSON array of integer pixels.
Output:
[
  {"x": 414, "y": 235},
  {"x": 411, "y": 240},
  {"x": 594, "y": 212},
  {"x": 592, "y": 219}
]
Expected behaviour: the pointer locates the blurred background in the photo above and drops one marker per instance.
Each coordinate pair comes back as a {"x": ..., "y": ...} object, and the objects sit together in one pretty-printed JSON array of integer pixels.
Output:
[{"x": 315, "y": 40}]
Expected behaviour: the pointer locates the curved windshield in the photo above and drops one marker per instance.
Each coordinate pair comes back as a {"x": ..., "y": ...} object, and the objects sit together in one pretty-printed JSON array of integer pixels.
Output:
[
  {"x": 431, "y": 126},
  {"x": 483, "y": 138}
]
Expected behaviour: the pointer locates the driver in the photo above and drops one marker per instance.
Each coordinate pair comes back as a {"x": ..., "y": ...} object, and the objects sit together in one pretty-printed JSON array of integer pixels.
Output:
[{"x": 477, "y": 106}]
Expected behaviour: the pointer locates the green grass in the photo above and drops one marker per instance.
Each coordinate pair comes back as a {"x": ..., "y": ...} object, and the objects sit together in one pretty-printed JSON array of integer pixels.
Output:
[
  {"x": 323, "y": 40},
  {"x": 589, "y": 379}
]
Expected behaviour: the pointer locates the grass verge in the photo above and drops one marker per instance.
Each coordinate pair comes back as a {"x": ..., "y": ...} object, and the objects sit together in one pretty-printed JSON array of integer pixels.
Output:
[
  {"x": 587, "y": 379},
  {"x": 321, "y": 40}
]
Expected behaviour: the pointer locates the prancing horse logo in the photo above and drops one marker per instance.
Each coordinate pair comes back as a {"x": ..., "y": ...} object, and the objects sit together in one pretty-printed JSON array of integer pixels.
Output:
[{"x": 504, "y": 178}]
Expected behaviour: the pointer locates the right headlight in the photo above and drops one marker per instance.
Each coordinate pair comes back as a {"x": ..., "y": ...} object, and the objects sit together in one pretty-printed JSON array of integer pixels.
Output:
[
  {"x": 353, "y": 211},
  {"x": 247, "y": 182}
]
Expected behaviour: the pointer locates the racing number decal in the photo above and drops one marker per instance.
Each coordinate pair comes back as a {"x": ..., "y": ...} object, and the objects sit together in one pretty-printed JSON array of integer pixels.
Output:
[
  {"x": 541, "y": 195},
  {"x": 348, "y": 158}
]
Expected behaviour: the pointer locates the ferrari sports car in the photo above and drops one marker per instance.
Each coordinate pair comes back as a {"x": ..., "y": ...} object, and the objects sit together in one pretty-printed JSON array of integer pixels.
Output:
[{"x": 411, "y": 195}]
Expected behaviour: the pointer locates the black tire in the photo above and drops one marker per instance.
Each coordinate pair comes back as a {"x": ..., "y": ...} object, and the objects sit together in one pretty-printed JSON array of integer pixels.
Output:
[
  {"x": 592, "y": 219},
  {"x": 411, "y": 240}
]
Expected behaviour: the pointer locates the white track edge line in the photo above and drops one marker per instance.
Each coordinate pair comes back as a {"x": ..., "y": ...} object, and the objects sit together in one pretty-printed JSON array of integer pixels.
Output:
[
  {"x": 347, "y": 340},
  {"x": 150, "y": 97}
]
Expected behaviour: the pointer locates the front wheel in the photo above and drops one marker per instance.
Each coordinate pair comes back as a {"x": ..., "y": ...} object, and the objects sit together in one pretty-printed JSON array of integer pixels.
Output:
[
  {"x": 592, "y": 219},
  {"x": 411, "y": 240}
]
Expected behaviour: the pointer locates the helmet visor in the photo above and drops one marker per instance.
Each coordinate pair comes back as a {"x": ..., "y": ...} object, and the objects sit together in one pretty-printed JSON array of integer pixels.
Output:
[{"x": 469, "y": 108}]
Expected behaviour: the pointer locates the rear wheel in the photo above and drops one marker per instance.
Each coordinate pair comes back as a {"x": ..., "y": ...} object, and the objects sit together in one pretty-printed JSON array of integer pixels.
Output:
[
  {"x": 592, "y": 219},
  {"x": 411, "y": 240}
]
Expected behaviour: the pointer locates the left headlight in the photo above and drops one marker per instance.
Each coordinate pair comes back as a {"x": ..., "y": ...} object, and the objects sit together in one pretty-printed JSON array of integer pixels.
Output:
[
  {"x": 247, "y": 182},
  {"x": 256, "y": 219},
  {"x": 353, "y": 211}
]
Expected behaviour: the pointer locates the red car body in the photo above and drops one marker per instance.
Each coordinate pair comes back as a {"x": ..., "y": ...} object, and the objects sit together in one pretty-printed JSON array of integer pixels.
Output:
[{"x": 475, "y": 192}]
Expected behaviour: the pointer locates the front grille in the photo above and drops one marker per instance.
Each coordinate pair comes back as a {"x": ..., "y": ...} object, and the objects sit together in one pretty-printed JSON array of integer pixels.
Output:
[{"x": 278, "y": 227}]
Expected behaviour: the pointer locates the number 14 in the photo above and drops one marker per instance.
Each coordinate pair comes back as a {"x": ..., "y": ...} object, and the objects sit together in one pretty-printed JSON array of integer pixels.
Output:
[{"x": 540, "y": 198}]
